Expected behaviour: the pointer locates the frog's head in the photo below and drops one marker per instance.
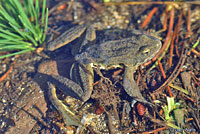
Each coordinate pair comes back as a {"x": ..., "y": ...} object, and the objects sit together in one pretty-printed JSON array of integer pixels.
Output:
[
  {"x": 134, "y": 51},
  {"x": 149, "y": 46}
]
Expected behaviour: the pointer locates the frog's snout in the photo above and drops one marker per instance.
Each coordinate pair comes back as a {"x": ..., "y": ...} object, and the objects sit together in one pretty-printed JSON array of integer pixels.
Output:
[{"x": 159, "y": 44}]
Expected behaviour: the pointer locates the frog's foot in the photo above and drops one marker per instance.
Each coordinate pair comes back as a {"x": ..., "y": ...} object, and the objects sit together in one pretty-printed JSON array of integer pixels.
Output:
[
  {"x": 68, "y": 116},
  {"x": 130, "y": 85}
]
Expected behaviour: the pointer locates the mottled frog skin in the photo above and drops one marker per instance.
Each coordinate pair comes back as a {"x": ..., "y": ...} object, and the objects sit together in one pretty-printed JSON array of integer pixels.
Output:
[{"x": 127, "y": 53}]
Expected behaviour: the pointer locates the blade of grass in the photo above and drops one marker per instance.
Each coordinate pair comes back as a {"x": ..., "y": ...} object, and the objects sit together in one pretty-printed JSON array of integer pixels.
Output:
[
  {"x": 46, "y": 24},
  {"x": 30, "y": 9},
  {"x": 7, "y": 42},
  {"x": 17, "y": 30},
  {"x": 22, "y": 13},
  {"x": 37, "y": 14},
  {"x": 26, "y": 36},
  {"x": 43, "y": 12},
  {"x": 4, "y": 26},
  {"x": 25, "y": 21},
  {"x": 8, "y": 17},
  {"x": 5, "y": 36},
  {"x": 14, "y": 47},
  {"x": 179, "y": 88},
  {"x": 31, "y": 29},
  {"x": 37, "y": 9},
  {"x": 10, "y": 8},
  {"x": 16, "y": 53},
  {"x": 8, "y": 33},
  {"x": 43, "y": 18}
]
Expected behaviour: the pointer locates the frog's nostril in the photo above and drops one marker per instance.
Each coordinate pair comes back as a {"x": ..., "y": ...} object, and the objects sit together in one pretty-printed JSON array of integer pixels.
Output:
[{"x": 80, "y": 57}]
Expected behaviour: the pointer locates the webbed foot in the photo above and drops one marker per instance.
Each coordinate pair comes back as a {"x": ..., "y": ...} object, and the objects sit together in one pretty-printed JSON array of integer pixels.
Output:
[{"x": 68, "y": 116}]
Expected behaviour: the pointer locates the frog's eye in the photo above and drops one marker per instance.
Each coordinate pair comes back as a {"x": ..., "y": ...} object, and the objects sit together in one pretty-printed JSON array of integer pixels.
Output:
[{"x": 145, "y": 50}]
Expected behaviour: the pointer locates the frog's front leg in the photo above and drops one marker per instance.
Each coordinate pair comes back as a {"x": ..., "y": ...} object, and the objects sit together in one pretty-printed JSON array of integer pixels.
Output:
[
  {"x": 80, "y": 88},
  {"x": 130, "y": 85}
]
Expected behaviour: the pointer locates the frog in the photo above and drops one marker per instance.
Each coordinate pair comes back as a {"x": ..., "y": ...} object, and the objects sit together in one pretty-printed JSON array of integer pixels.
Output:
[{"x": 127, "y": 53}]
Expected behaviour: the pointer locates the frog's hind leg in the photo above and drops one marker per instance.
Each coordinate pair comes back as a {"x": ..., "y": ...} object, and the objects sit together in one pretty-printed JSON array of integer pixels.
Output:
[
  {"x": 83, "y": 75},
  {"x": 67, "y": 86},
  {"x": 67, "y": 37},
  {"x": 80, "y": 88}
]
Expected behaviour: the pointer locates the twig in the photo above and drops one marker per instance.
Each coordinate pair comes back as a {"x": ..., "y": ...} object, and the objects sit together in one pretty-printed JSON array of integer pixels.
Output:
[
  {"x": 188, "y": 23},
  {"x": 56, "y": 6},
  {"x": 164, "y": 76},
  {"x": 149, "y": 17},
  {"x": 156, "y": 130},
  {"x": 6, "y": 74},
  {"x": 172, "y": 47},
  {"x": 167, "y": 38},
  {"x": 174, "y": 74},
  {"x": 179, "y": 26},
  {"x": 156, "y": 3},
  {"x": 195, "y": 52}
]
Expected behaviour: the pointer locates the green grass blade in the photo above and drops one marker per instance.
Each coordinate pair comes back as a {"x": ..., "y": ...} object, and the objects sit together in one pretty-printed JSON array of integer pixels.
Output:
[
  {"x": 5, "y": 36},
  {"x": 8, "y": 33},
  {"x": 46, "y": 24},
  {"x": 26, "y": 36},
  {"x": 30, "y": 9},
  {"x": 4, "y": 26},
  {"x": 8, "y": 17},
  {"x": 31, "y": 29},
  {"x": 43, "y": 12},
  {"x": 16, "y": 53},
  {"x": 179, "y": 88},
  {"x": 13, "y": 47},
  {"x": 22, "y": 13},
  {"x": 8, "y": 42},
  {"x": 37, "y": 9},
  {"x": 17, "y": 32},
  {"x": 25, "y": 20}
]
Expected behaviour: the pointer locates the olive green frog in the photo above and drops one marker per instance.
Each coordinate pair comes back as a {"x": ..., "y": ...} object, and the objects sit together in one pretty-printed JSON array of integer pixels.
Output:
[{"x": 127, "y": 53}]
